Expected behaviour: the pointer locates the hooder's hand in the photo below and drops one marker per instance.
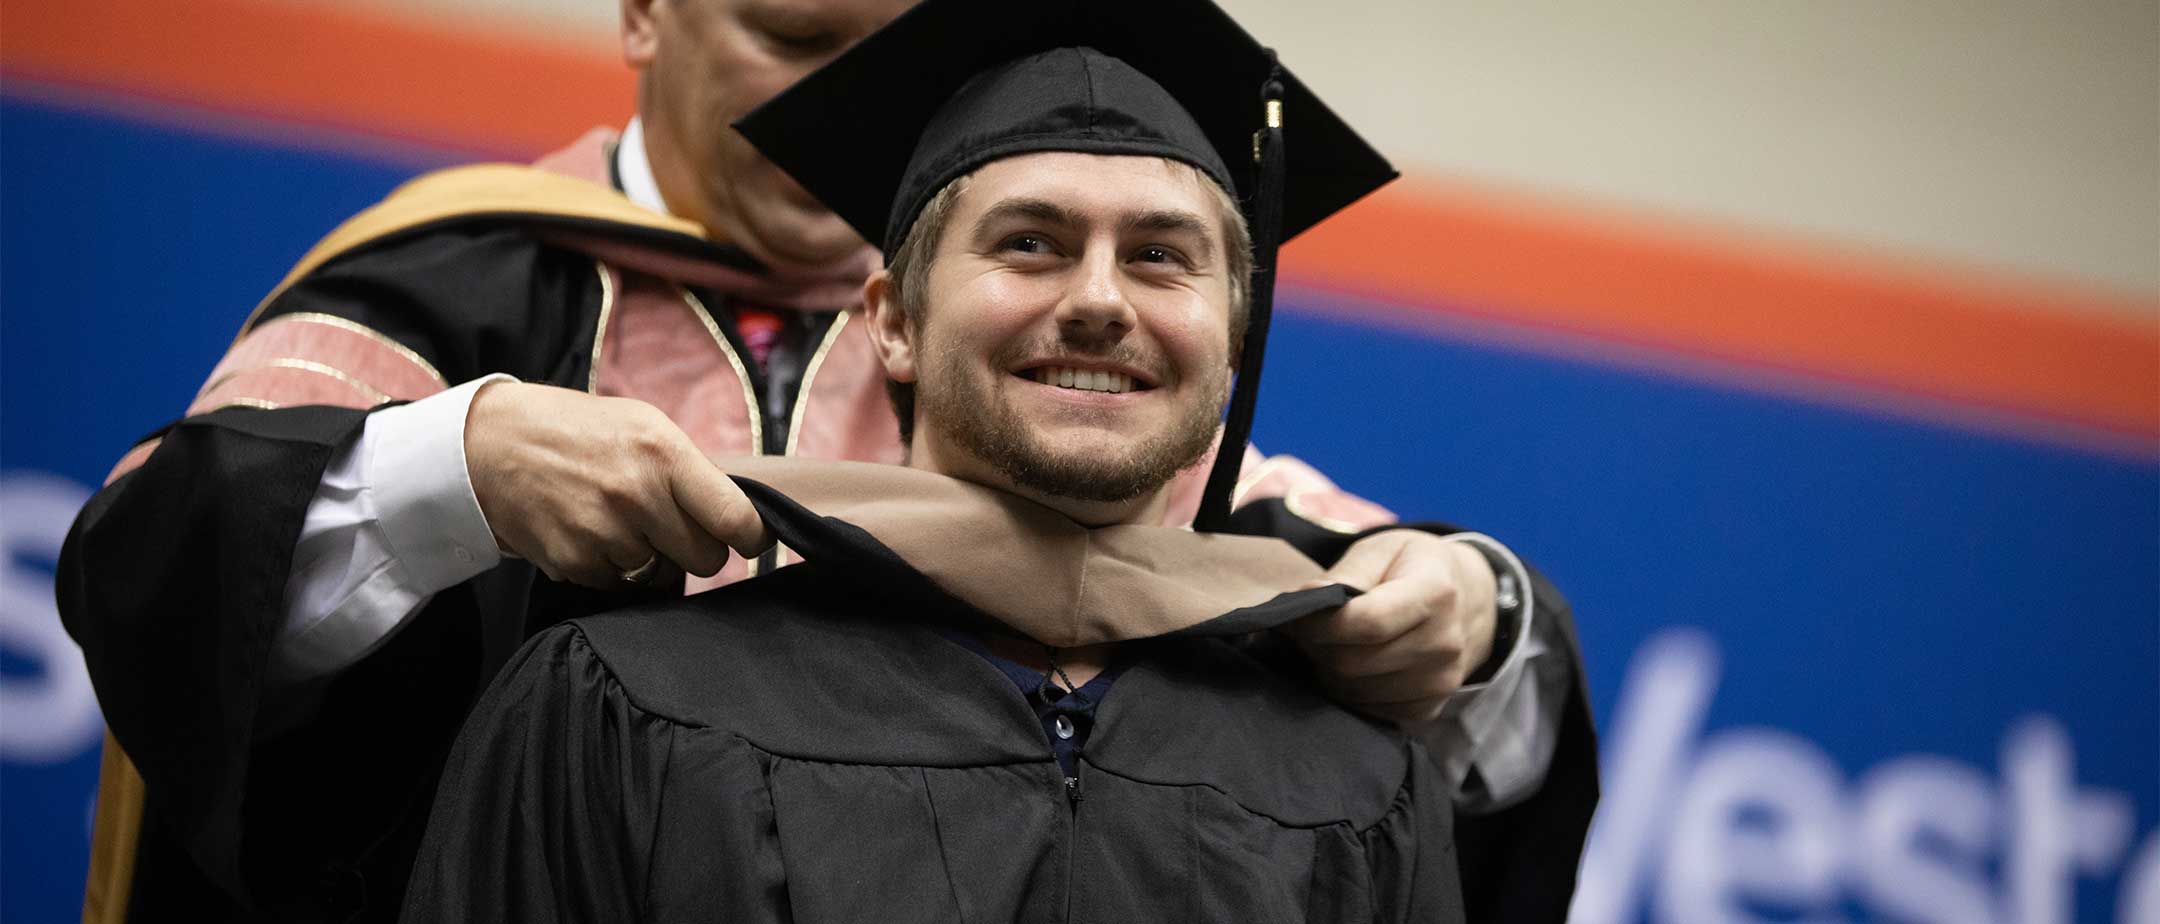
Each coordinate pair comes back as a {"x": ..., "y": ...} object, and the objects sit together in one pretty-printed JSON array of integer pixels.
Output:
[
  {"x": 1424, "y": 623},
  {"x": 590, "y": 489}
]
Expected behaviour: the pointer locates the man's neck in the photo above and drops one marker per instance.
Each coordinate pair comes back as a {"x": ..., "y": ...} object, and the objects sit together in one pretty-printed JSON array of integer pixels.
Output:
[{"x": 1078, "y": 665}]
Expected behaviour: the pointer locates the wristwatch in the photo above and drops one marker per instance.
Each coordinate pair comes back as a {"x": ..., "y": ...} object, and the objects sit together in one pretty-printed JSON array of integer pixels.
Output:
[{"x": 1507, "y": 614}]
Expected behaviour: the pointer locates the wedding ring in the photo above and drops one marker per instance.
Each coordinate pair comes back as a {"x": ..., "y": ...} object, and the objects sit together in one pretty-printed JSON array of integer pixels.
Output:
[{"x": 644, "y": 572}]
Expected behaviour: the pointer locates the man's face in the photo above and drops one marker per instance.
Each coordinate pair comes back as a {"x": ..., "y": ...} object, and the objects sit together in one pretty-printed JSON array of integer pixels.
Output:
[
  {"x": 705, "y": 64},
  {"x": 1075, "y": 339}
]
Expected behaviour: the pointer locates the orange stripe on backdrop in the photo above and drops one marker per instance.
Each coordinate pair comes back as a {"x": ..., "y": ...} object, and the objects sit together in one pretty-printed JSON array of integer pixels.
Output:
[
  {"x": 2077, "y": 357},
  {"x": 1453, "y": 250},
  {"x": 508, "y": 96}
]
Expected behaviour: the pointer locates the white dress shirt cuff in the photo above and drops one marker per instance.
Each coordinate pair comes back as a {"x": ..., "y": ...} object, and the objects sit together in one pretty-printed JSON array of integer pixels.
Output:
[
  {"x": 423, "y": 492},
  {"x": 393, "y": 522}
]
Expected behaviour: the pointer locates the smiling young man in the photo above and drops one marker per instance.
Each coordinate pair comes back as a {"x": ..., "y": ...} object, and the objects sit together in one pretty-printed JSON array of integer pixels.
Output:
[{"x": 997, "y": 688}]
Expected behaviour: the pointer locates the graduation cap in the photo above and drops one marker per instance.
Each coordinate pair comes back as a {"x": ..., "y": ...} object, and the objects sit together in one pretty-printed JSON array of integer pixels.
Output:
[{"x": 951, "y": 85}]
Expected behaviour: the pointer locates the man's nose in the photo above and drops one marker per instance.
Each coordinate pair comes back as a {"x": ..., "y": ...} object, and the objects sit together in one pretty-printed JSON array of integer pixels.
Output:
[{"x": 1096, "y": 302}]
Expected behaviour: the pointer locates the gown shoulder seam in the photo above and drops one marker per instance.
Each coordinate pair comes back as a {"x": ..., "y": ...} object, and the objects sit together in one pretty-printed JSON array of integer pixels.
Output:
[{"x": 583, "y": 641}]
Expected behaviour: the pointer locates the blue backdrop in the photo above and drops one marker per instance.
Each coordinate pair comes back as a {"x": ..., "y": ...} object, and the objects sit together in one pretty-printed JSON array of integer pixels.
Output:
[{"x": 1847, "y": 666}]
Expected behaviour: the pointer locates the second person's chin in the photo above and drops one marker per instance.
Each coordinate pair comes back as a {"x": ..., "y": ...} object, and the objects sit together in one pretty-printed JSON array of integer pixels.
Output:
[{"x": 792, "y": 240}]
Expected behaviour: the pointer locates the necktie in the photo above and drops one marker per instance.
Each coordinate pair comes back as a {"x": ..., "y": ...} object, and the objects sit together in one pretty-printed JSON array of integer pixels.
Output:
[{"x": 760, "y": 330}]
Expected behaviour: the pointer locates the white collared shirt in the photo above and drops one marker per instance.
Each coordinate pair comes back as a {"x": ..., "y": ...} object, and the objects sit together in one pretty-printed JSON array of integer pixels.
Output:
[{"x": 634, "y": 170}]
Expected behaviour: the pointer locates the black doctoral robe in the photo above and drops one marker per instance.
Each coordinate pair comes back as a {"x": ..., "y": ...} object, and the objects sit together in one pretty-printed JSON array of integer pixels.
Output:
[
  {"x": 306, "y": 804},
  {"x": 808, "y": 746}
]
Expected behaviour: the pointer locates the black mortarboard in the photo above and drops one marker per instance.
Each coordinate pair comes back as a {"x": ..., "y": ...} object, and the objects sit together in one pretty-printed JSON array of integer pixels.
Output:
[{"x": 953, "y": 84}]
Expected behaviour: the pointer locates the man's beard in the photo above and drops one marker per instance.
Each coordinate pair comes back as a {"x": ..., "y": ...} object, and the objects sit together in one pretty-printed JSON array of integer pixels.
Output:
[{"x": 968, "y": 411}]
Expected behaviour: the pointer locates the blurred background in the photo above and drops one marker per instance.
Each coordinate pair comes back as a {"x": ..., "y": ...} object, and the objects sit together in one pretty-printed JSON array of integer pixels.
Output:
[{"x": 1813, "y": 349}]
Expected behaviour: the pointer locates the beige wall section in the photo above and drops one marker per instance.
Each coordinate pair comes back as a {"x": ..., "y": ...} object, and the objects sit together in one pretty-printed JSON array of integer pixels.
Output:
[{"x": 2018, "y": 135}]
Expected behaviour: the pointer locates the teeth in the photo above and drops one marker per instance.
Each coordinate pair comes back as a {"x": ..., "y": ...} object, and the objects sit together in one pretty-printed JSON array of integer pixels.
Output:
[{"x": 1084, "y": 379}]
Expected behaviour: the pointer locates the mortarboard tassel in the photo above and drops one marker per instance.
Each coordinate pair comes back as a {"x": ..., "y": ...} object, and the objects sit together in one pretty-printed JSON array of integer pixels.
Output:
[{"x": 1266, "y": 222}]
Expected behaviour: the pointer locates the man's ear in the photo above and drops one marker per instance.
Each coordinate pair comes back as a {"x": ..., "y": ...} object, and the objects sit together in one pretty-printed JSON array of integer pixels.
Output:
[
  {"x": 890, "y": 333},
  {"x": 640, "y": 35}
]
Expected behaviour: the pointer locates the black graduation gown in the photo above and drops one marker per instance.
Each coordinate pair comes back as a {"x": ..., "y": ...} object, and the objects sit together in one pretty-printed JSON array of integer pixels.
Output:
[{"x": 803, "y": 747}]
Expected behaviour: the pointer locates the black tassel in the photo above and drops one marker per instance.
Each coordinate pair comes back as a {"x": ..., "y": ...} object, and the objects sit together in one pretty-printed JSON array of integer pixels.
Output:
[{"x": 1266, "y": 222}]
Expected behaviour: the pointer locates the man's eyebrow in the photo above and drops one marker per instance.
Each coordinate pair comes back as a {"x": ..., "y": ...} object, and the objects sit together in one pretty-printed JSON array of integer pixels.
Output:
[
  {"x": 1042, "y": 210},
  {"x": 1174, "y": 221}
]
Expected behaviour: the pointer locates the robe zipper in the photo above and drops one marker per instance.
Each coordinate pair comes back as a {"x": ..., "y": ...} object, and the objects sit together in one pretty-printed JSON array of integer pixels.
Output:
[{"x": 1072, "y": 837}]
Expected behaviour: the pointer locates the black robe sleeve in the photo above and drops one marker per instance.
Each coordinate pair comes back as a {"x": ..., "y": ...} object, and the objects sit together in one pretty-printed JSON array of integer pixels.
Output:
[
  {"x": 174, "y": 593},
  {"x": 173, "y": 576}
]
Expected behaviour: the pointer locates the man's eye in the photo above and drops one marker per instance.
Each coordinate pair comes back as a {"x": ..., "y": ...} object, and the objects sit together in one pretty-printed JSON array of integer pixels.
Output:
[
  {"x": 1027, "y": 243},
  {"x": 808, "y": 43},
  {"x": 790, "y": 34},
  {"x": 1154, "y": 254}
]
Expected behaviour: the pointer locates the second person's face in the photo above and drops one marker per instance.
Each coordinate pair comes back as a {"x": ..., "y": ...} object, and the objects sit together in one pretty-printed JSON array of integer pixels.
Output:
[{"x": 707, "y": 63}]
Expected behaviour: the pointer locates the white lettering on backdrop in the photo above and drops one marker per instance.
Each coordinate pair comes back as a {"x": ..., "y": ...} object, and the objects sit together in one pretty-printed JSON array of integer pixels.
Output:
[
  {"x": 49, "y": 714},
  {"x": 1757, "y": 824}
]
